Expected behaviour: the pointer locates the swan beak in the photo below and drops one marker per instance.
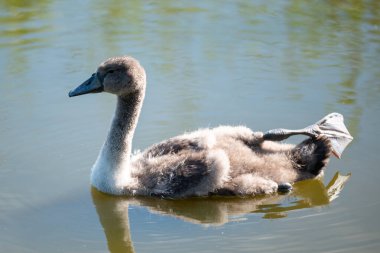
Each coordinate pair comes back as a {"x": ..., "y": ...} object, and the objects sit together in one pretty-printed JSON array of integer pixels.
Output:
[{"x": 91, "y": 85}]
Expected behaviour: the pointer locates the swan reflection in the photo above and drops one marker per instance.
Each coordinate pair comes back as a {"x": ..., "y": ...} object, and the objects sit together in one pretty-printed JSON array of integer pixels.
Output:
[{"x": 113, "y": 211}]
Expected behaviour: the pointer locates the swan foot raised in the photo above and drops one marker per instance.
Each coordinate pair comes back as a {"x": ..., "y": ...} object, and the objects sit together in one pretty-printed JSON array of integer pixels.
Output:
[{"x": 332, "y": 126}]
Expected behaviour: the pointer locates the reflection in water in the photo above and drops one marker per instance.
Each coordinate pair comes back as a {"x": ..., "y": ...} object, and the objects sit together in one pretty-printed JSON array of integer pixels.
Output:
[
  {"x": 309, "y": 193},
  {"x": 113, "y": 211},
  {"x": 113, "y": 215}
]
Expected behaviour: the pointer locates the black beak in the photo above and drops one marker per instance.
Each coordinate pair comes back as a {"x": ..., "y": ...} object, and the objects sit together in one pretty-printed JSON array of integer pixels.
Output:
[{"x": 91, "y": 85}]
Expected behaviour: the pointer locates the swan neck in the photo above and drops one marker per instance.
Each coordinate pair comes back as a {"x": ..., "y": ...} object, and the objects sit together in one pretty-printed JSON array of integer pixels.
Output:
[
  {"x": 124, "y": 124},
  {"x": 111, "y": 172}
]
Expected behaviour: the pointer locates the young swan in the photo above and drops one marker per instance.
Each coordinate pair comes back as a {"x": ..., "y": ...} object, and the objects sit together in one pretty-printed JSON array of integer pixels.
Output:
[{"x": 223, "y": 160}]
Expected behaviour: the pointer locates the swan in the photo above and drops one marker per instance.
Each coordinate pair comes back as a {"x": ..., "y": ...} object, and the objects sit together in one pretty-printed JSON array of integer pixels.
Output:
[{"x": 226, "y": 160}]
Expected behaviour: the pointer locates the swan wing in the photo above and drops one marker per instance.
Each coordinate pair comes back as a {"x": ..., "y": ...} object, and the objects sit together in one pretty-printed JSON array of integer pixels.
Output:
[{"x": 173, "y": 175}]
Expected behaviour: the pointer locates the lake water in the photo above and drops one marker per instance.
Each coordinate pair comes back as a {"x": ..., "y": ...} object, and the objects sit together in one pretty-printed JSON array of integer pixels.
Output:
[{"x": 263, "y": 64}]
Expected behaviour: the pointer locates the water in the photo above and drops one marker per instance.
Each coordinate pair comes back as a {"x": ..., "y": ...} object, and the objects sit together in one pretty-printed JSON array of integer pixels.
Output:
[{"x": 265, "y": 64}]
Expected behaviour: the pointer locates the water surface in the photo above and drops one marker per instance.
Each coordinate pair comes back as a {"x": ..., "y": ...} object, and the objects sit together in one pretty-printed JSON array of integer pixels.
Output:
[{"x": 264, "y": 64}]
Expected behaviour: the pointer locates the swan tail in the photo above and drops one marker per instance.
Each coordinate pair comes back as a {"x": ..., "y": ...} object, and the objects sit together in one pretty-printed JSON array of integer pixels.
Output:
[{"x": 312, "y": 155}]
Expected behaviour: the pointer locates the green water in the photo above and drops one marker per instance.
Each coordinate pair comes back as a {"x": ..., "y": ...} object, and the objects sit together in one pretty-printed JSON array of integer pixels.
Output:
[{"x": 263, "y": 64}]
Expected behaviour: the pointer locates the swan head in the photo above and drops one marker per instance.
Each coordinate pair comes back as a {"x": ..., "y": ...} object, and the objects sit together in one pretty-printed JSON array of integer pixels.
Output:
[{"x": 120, "y": 75}]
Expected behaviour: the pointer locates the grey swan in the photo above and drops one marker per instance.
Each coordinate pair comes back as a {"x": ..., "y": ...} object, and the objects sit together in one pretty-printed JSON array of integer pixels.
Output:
[{"x": 226, "y": 160}]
